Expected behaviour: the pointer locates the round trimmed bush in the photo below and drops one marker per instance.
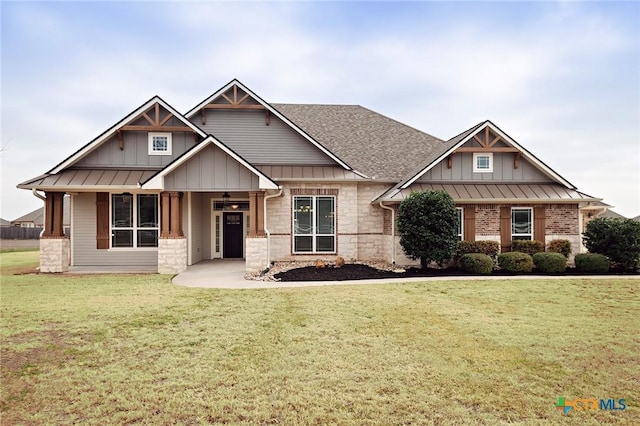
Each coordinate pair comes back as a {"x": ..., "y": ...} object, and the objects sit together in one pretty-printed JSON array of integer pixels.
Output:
[
  {"x": 476, "y": 263},
  {"x": 515, "y": 262},
  {"x": 550, "y": 263},
  {"x": 529, "y": 247},
  {"x": 560, "y": 246},
  {"x": 490, "y": 248},
  {"x": 592, "y": 263}
]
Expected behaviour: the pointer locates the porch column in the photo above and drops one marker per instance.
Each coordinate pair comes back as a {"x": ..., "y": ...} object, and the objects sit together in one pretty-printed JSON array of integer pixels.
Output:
[
  {"x": 260, "y": 214},
  {"x": 55, "y": 247},
  {"x": 175, "y": 230},
  {"x": 164, "y": 206},
  {"x": 53, "y": 212},
  {"x": 253, "y": 214}
]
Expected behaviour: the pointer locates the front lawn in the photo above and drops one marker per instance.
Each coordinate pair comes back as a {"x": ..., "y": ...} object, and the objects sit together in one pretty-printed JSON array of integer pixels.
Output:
[{"x": 137, "y": 349}]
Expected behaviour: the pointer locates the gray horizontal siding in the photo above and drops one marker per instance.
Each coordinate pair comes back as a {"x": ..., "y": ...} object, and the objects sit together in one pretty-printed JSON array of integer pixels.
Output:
[
  {"x": 84, "y": 240},
  {"x": 211, "y": 169},
  {"x": 247, "y": 134},
  {"x": 136, "y": 151},
  {"x": 462, "y": 170}
]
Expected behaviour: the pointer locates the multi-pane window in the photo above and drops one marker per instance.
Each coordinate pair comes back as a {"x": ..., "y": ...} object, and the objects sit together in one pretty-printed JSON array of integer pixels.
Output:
[
  {"x": 160, "y": 143},
  {"x": 314, "y": 224},
  {"x": 483, "y": 162},
  {"x": 460, "y": 219},
  {"x": 134, "y": 220},
  {"x": 522, "y": 223}
]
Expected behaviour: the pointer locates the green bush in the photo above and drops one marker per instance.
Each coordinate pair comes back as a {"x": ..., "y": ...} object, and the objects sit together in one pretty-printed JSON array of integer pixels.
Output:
[
  {"x": 515, "y": 261},
  {"x": 529, "y": 247},
  {"x": 476, "y": 263},
  {"x": 490, "y": 248},
  {"x": 592, "y": 263},
  {"x": 550, "y": 262},
  {"x": 618, "y": 239},
  {"x": 560, "y": 246}
]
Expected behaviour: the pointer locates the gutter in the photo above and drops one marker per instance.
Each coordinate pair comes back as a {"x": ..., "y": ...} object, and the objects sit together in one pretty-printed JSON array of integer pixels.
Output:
[
  {"x": 44, "y": 209},
  {"x": 393, "y": 232},
  {"x": 266, "y": 231}
]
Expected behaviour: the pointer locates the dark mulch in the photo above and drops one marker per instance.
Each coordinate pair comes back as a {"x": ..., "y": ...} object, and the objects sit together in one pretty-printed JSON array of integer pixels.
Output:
[{"x": 364, "y": 272}]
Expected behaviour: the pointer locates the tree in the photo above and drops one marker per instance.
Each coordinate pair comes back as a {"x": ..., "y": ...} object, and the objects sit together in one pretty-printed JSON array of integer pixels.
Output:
[
  {"x": 428, "y": 224},
  {"x": 618, "y": 239}
]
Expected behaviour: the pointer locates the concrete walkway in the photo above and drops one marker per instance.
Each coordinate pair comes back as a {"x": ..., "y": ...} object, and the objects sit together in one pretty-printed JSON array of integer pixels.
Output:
[{"x": 230, "y": 274}]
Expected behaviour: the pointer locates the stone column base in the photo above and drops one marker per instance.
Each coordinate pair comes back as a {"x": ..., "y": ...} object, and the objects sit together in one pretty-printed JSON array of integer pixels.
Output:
[
  {"x": 256, "y": 254},
  {"x": 172, "y": 255},
  {"x": 55, "y": 254}
]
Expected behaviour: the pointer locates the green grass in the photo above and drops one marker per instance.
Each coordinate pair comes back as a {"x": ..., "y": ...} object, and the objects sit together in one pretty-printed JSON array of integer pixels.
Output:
[{"x": 136, "y": 349}]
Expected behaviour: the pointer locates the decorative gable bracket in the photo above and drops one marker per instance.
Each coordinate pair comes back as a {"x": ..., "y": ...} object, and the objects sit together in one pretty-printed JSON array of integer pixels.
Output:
[
  {"x": 234, "y": 98},
  {"x": 487, "y": 141}
]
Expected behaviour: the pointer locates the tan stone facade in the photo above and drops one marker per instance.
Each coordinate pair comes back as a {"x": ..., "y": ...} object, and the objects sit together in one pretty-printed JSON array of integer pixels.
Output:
[
  {"x": 172, "y": 255},
  {"x": 55, "y": 254}
]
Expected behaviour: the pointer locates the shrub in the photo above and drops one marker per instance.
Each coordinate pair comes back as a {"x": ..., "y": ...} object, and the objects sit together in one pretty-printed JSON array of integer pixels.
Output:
[
  {"x": 560, "y": 246},
  {"x": 618, "y": 239},
  {"x": 592, "y": 263},
  {"x": 550, "y": 262},
  {"x": 490, "y": 248},
  {"x": 529, "y": 247},
  {"x": 476, "y": 263},
  {"x": 428, "y": 226},
  {"x": 515, "y": 261}
]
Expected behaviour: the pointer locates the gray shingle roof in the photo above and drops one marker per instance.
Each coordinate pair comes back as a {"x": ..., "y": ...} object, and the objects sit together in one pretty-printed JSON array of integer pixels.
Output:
[{"x": 371, "y": 143}]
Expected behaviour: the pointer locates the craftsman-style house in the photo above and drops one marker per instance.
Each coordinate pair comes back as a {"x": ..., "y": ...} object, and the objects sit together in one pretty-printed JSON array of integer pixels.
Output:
[{"x": 237, "y": 177}]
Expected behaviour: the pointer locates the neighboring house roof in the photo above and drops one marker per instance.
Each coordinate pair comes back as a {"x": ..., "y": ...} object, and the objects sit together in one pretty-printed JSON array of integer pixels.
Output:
[
  {"x": 496, "y": 193},
  {"x": 4, "y": 222},
  {"x": 37, "y": 216},
  {"x": 637, "y": 218},
  {"x": 612, "y": 214},
  {"x": 378, "y": 146}
]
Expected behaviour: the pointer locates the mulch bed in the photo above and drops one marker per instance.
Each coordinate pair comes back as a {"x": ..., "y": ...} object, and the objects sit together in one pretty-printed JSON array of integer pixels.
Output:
[{"x": 365, "y": 272}]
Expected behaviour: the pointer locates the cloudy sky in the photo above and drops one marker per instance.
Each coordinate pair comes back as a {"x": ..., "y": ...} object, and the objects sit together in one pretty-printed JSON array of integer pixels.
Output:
[{"x": 561, "y": 78}]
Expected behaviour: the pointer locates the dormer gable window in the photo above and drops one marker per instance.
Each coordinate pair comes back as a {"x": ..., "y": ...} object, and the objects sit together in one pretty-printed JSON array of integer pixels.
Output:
[
  {"x": 482, "y": 162},
  {"x": 159, "y": 143}
]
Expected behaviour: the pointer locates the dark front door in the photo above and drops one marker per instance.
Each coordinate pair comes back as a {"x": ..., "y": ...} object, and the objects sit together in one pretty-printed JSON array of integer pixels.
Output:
[{"x": 233, "y": 235}]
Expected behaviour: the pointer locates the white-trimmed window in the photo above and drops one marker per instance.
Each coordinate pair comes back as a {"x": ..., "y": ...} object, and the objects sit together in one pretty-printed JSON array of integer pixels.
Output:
[
  {"x": 460, "y": 223},
  {"x": 159, "y": 143},
  {"x": 482, "y": 162},
  {"x": 314, "y": 224},
  {"x": 134, "y": 220},
  {"x": 522, "y": 223}
]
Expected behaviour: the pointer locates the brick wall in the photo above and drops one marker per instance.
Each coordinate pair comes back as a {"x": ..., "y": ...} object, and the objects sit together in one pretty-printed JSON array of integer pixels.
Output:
[
  {"x": 562, "y": 219},
  {"x": 487, "y": 220}
]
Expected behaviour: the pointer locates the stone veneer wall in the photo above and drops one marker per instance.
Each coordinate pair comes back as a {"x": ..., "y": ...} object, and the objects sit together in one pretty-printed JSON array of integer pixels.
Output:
[
  {"x": 359, "y": 223},
  {"x": 55, "y": 254},
  {"x": 256, "y": 254},
  {"x": 172, "y": 255}
]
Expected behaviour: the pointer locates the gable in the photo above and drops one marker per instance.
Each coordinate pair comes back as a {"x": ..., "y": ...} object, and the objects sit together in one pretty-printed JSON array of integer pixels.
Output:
[
  {"x": 256, "y": 131},
  {"x": 127, "y": 143}
]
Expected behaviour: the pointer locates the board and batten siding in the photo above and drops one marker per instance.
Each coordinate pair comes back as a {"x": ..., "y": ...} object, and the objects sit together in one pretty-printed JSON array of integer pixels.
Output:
[
  {"x": 83, "y": 231},
  {"x": 211, "y": 169},
  {"x": 248, "y": 135},
  {"x": 135, "y": 152},
  {"x": 196, "y": 227},
  {"x": 503, "y": 170}
]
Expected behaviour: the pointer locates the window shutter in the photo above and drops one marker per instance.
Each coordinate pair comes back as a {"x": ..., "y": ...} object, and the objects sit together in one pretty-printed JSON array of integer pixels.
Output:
[
  {"x": 102, "y": 220},
  {"x": 539, "y": 216},
  {"x": 469, "y": 223},
  {"x": 505, "y": 229}
]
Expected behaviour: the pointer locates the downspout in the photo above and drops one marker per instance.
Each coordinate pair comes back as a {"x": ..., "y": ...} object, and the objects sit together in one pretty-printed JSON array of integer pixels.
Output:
[
  {"x": 393, "y": 232},
  {"x": 44, "y": 209},
  {"x": 266, "y": 230}
]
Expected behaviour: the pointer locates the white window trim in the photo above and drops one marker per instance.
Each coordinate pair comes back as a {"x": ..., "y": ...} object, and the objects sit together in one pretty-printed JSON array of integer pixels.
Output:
[
  {"x": 168, "y": 135},
  {"x": 530, "y": 235},
  {"x": 475, "y": 162},
  {"x": 314, "y": 234},
  {"x": 461, "y": 234},
  {"x": 133, "y": 228}
]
